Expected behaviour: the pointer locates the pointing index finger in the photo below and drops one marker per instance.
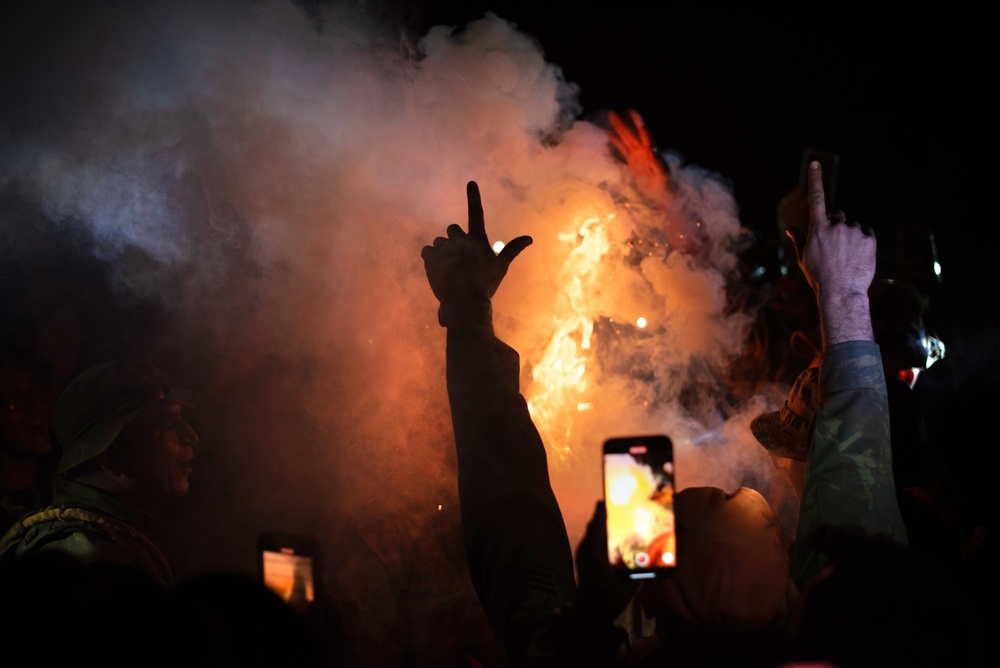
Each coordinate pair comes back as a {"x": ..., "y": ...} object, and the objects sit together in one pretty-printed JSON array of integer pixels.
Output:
[
  {"x": 477, "y": 223},
  {"x": 817, "y": 198}
]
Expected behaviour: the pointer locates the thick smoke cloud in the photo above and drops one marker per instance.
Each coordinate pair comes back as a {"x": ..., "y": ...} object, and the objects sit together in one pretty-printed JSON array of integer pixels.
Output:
[{"x": 240, "y": 193}]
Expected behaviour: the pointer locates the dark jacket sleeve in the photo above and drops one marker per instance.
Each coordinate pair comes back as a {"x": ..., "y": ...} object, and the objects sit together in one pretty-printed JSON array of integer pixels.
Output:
[
  {"x": 849, "y": 482},
  {"x": 518, "y": 551}
]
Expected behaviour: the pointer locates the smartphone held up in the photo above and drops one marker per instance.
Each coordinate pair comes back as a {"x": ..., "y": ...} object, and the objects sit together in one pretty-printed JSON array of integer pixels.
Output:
[
  {"x": 289, "y": 567},
  {"x": 639, "y": 499}
]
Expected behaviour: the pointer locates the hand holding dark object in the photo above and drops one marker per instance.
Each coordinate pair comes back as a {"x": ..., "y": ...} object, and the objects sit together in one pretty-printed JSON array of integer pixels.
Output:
[
  {"x": 589, "y": 635},
  {"x": 838, "y": 260},
  {"x": 603, "y": 593},
  {"x": 462, "y": 269}
]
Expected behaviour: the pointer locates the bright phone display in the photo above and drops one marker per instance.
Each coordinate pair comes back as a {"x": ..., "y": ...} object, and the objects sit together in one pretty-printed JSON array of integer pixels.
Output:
[{"x": 639, "y": 499}]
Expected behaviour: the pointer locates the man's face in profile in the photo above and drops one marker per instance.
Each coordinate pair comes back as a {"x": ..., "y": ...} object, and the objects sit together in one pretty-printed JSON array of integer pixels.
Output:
[{"x": 160, "y": 452}]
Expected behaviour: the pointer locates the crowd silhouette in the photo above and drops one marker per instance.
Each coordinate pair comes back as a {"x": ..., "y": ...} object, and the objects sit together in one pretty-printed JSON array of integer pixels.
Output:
[{"x": 891, "y": 562}]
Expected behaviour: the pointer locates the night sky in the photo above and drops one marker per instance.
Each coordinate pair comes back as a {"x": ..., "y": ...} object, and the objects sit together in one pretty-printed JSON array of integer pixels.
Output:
[{"x": 743, "y": 90}]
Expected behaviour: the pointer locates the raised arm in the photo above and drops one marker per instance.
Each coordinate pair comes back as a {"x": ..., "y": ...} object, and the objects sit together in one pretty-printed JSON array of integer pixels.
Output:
[
  {"x": 838, "y": 260},
  {"x": 849, "y": 483},
  {"x": 516, "y": 543}
]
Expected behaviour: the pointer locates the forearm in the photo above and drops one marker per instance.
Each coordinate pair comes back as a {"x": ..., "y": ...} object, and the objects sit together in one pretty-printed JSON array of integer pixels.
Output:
[
  {"x": 849, "y": 482},
  {"x": 844, "y": 317},
  {"x": 518, "y": 551}
]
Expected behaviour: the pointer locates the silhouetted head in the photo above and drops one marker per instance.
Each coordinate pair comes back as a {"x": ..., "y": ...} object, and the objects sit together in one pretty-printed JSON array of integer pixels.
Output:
[
  {"x": 732, "y": 575},
  {"x": 123, "y": 421}
]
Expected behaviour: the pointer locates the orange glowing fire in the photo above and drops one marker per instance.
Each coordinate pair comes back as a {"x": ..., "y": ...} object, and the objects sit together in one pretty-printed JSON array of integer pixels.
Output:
[
  {"x": 560, "y": 380},
  {"x": 614, "y": 274}
]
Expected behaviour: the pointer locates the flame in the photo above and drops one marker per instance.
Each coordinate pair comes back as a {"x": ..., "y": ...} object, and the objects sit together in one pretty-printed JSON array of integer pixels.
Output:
[
  {"x": 601, "y": 281},
  {"x": 560, "y": 378}
]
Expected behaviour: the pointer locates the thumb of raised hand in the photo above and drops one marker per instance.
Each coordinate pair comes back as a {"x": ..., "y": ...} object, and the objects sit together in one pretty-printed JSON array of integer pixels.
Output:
[{"x": 512, "y": 249}]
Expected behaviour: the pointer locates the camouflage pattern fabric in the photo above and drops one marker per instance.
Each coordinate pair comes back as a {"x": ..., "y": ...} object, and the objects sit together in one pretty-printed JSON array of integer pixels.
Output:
[{"x": 849, "y": 480}]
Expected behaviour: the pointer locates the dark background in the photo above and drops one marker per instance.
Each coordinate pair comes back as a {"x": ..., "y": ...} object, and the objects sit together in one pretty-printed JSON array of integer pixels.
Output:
[{"x": 902, "y": 97}]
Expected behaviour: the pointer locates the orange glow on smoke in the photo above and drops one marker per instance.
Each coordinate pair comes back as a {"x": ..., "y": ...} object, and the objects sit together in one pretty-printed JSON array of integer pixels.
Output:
[{"x": 560, "y": 379}]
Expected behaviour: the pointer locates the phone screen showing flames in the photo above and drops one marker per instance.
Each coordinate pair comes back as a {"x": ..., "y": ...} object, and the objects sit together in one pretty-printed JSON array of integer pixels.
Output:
[
  {"x": 639, "y": 498},
  {"x": 290, "y": 576}
]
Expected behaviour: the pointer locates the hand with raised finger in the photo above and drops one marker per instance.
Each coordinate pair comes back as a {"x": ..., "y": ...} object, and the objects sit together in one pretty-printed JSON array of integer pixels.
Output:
[
  {"x": 838, "y": 260},
  {"x": 462, "y": 269}
]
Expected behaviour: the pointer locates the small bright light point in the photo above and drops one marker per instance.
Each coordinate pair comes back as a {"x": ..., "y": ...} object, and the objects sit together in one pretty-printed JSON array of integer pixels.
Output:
[
  {"x": 498, "y": 246},
  {"x": 668, "y": 558},
  {"x": 585, "y": 406},
  {"x": 640, "y": 323},
  {"x": 439, "y": 506},
  {"x": 937, "y": 268}
]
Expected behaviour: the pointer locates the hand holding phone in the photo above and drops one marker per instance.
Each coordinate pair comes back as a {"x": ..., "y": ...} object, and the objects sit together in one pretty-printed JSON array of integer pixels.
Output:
[{"x": 639, "y": 499}]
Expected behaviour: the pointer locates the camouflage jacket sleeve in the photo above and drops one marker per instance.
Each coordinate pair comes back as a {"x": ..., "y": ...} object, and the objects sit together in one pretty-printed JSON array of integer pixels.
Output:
[
  {"x": 516, "y": 543},
  {"x": 849, "y": 482}
]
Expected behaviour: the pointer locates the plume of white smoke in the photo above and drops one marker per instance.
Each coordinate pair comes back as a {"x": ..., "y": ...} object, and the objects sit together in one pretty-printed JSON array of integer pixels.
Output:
[{"x": 269, "y": 185}]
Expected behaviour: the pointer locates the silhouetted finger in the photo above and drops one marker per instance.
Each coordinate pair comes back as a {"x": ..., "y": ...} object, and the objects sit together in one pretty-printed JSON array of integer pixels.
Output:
[
  {"x": 817, "y": 198},
  {"x": 477, "y": 223},
  {"x": 513, "y": 249},
  {"x": 455, "y": 231}
]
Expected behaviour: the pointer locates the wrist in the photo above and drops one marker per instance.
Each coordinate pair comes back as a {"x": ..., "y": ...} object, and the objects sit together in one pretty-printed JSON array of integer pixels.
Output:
[
  {"x": 467, "y": 313},
  {"x": 845, "y": 317}
]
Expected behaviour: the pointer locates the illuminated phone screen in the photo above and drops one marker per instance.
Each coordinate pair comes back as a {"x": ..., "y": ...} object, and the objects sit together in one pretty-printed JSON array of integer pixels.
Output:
[
  {"x": 290, "y": 576},
  {"x": 639, "y": 498}
]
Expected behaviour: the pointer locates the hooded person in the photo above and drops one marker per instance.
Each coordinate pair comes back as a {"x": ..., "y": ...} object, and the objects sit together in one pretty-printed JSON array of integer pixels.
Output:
[{"x": 127, "y": 453}]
